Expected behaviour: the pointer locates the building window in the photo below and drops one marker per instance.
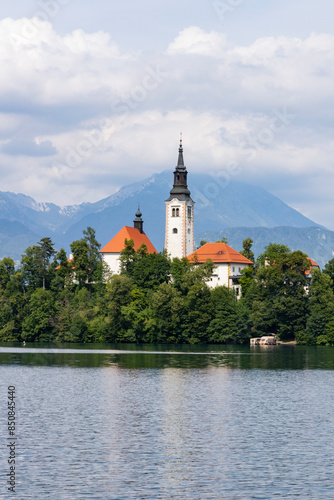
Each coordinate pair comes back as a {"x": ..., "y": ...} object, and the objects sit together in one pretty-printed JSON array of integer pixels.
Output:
[
  {"x": 174, "y": 230},
  {"x": 189, "y": 231},
  {"x": 177, "y": 212},
  {"x": 233, "y": 269},
  {"x": 189, "y": 212},
  {"x": 173, "y": 212}
]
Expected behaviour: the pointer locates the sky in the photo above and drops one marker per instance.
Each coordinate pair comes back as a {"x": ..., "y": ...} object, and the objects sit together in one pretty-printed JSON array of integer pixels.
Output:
[{"x": 94, "y": 96}]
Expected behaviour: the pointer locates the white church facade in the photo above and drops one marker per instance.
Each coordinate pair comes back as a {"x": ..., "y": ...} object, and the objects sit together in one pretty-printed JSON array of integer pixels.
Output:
[{"x": 111, "y": 252}]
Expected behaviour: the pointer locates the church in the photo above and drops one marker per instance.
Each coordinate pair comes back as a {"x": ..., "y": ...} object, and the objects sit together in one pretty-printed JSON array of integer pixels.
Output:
[{"x": 179, "y": 237}]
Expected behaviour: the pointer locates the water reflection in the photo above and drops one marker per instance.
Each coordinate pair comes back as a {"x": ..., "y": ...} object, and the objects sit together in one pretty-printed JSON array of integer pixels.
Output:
[{"x": 287, "y": 357}]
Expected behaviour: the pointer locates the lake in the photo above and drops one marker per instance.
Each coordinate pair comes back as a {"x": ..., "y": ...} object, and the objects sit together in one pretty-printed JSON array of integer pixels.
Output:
[{"x": 169, "y": 422}]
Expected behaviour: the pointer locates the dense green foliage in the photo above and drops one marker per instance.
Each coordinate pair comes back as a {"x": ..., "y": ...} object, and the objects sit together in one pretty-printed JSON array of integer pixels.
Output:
[{"x": 50, "y": 298}]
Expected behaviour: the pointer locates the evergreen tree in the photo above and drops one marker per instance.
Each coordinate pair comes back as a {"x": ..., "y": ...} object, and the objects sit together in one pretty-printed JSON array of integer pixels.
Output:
[
  {"x": 79, "y": 249},
  {"x": 247, "y": 252},
  {"x": 94, "y": 256}
]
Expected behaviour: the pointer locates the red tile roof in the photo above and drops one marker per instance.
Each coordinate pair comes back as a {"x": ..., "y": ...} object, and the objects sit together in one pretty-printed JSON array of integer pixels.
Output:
[
  {"x": 116, "y": 244},
  {"x": 218, "y": 253},
  {"x": 313, "y": 264}
]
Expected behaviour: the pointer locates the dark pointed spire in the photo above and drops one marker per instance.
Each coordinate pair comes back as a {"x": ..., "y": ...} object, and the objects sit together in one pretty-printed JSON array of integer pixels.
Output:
[
  {"x": 180, "y": 162},
  {"x": 180, "y": 187},
  {"x": 138, "y": 221}
]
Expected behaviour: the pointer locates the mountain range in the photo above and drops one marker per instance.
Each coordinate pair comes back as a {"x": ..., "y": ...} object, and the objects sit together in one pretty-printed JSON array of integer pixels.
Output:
[{"x": 229, "y": 208}]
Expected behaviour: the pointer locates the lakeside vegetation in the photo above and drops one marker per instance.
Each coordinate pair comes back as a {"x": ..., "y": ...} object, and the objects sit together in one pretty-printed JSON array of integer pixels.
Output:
[{"x": 156, "y": 300}]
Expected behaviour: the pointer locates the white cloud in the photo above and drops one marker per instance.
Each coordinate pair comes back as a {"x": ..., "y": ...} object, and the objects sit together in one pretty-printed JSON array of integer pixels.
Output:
[
  {"x": 194, "y": 40},
  {"x": 99, "y": 117}
]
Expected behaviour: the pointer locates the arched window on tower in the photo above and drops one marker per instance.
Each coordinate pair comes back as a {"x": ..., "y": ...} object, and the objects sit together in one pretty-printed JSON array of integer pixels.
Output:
[
  {"x": 177, "y": 212},
  {"x": 173, "y": 212},
  {"x": 174, "y": 230}
]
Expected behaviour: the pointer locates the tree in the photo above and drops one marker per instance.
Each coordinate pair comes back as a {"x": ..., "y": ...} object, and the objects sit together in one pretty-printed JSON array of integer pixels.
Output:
[
  {"x": 63, "y": 271},
  {"x": 247, "y": 277},
  {"x": 247, "y": 252},
  {"x": 35, "y": 263},
  {"x": 118, "y": 295},
  {"x": 223, "y": 327},
  {"x": 7, "y": 269},
  {"x": 94, "y": 256},
  {"x": 39, "y": 314},
  {"x": 168, "y": 311},
  {"x": 279, "y": 299},
  {"x": 128, "y": 257},
  {"x": 46, "y": 251},
  {"x": 150, "y": 270},
  {"x": 271, "y": 253},
  {"x": 320, "y": 309},
  {"x": 79, "y": 249},
  {"x": 329, "y": 270}
]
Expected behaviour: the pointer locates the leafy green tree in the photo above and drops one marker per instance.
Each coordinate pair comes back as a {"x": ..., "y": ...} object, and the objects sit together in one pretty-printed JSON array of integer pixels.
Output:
[
  {"x": 39, "y": 313},
  {"x": 198, "y": 305},
  {"x": 129, "y": 257},
  {"x": 328, "y": 338},
  {"x": 118, "y": 295},
  {"x": 79, "y": 249},
  {"x": 63, "y": 271},
  {"x": 279, "y": 302},
  {"x": 94, "y": 256},
  {"x": 271, "y": 253},
  {"x": 46, "y": 251},
  {"x": 151, "y": 270},
  {"x": 320, "y": 308},
  {"x": 136, "y": 313},
  {"x": 247, "y": 252},
  {"x": 192, "y": 274},
  {"x": 223, "y": 327},
  {"x": 179, "y": 267},
  {"x": 244, "y": 323},
  {"x": 329, "y": 270},
  {"x": 36, "y": 264},
  {"x": 30, "y": 267},
  {"x": 247, "y": 278},
  {"x": 168, "y": 312},
  {"x": 7, "y": 269}
]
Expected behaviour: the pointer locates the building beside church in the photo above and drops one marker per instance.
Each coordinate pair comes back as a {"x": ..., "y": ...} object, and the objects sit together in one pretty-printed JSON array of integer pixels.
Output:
[
  {"x": 228, "y": 264},
  {"x": 111, "y": 252},
  {"x": 179, "y": 233}
]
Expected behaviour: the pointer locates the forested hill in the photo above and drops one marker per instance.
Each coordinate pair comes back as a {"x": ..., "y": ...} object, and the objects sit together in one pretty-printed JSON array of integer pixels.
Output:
[{"x": 219, "y": 205}]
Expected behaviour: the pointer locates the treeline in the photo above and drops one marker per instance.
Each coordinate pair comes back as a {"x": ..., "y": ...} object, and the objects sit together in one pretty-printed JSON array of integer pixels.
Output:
[{"x": 156, "y": 300}]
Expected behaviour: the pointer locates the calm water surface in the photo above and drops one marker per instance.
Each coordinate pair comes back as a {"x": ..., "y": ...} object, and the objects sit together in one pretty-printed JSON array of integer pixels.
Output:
[{"x": 169, "y": 422}]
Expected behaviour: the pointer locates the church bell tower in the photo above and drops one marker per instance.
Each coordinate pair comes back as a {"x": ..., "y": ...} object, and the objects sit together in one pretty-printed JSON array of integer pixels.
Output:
[{"x": 179, "y": 234}]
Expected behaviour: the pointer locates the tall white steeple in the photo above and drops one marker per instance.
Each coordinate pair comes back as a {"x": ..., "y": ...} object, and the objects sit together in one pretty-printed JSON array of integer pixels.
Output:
[{"x": 179, "y": 234}]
